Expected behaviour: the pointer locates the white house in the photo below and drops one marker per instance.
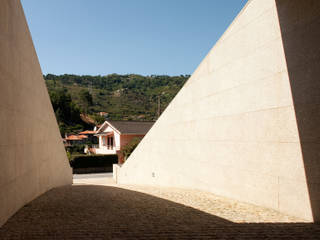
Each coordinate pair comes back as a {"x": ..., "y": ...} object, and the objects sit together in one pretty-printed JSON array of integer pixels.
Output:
[{"x": 113, "y": 135}]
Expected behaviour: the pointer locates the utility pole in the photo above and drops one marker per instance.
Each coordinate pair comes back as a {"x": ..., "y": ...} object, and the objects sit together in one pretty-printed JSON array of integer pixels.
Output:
[
  {"x": 90, "y": 87},
  {"x": 159, "y": 110}
]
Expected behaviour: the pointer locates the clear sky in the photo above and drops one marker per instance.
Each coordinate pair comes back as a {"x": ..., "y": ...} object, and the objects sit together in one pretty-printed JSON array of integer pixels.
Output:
[{"x": 100, "y": 37}]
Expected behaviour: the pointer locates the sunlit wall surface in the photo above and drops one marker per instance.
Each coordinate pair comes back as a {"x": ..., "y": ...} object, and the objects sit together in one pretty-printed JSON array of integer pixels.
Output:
[{"x": 246, "y": 124}]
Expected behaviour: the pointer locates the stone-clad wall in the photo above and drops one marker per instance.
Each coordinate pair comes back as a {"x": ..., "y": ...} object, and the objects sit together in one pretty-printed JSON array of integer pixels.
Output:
[
  {"x": 32, "y": 156},
  {"x": 232, "y": 129}
]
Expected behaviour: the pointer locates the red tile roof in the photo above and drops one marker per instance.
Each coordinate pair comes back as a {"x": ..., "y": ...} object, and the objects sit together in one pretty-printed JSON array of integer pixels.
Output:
[
  {"x": 88, "y": 132},
  {"x": 76, "y": 137}
]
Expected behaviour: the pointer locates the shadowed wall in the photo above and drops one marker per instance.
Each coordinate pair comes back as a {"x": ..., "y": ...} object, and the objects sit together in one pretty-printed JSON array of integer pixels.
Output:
[
  {"x": 300, "y": 29},
  {"x": 246, "y": 124},
  {"x": 32, "y": 156}
]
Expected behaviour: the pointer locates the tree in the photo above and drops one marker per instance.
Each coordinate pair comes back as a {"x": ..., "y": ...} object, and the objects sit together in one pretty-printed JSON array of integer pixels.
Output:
[
  {"x": 67, "y": 112},
  {"x": 86, "y": 99}
]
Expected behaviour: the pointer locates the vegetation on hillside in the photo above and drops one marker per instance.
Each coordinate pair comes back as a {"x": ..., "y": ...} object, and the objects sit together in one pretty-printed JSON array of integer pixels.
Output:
[
  {"x": 123, "y": 97},
  {"x": 66, "y": 111}
]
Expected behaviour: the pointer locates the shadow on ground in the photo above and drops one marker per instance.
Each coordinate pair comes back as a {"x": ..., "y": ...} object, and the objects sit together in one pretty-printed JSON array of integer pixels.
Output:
[{"x": 103, "y": 212}]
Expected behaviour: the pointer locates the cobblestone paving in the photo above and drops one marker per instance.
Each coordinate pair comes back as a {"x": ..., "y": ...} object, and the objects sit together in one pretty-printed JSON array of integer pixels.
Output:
[
  {"x": 228, "y": 209},
  {"x": 131, "y": 212}
]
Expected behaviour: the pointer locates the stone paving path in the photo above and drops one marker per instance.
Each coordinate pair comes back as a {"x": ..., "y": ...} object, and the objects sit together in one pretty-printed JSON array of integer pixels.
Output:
[{"x": 111, "y": 211}]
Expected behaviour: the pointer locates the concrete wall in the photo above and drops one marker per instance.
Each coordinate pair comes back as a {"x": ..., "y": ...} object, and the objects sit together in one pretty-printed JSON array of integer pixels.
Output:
[
  {"x": 232, "y": 129},
  {"x": 32, "y": 156},
  {"x": 300, "y": 28}
]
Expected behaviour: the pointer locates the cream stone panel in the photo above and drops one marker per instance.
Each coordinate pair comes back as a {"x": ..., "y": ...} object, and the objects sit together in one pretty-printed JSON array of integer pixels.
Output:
[
  {"x": 32, "y": 156},
  {"x": 242, "y": 126}
]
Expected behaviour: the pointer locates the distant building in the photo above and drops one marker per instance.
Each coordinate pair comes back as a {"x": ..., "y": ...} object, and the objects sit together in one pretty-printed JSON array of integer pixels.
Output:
[
  {"x": 85, "y": 137},
  {"x": 90, "y": 136},
  {"x": 103, "y": 114},
  {"x": 114, "y": 135},
  {"x": 75, "y": 139}
]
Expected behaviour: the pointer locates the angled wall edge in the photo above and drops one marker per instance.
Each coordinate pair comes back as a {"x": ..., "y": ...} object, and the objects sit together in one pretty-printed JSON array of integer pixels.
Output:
[
  {"x": 246, "y": 123},
  {"x": 32, "y": 156}
]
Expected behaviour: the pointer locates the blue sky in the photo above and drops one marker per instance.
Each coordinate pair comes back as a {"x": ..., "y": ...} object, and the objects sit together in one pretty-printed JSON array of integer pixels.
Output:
[{"x": 99, "y": 37}]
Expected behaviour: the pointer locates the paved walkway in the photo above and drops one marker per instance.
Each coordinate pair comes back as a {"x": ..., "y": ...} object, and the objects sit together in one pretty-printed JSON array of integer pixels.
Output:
[
  {"x": 109, "y": 211},
  {"x": 94, "y": 179}
]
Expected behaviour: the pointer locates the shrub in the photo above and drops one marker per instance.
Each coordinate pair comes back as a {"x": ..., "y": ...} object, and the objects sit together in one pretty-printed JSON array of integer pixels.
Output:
[
  {"x": 76, "y": 148},
  {"x": 69, "y": 156},
  {"x": 128, "y": 149},
  {"x": 93, "y": 161}
]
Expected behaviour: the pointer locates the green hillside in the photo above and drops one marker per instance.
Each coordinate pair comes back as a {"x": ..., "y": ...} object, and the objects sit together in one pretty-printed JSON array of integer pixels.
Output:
[{"x": 123, "y": 97}]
